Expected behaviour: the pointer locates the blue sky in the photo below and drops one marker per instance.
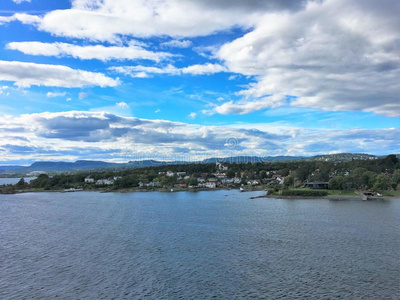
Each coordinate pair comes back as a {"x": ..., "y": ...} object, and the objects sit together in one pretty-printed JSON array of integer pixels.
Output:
[{"x": 197, "y": 71}]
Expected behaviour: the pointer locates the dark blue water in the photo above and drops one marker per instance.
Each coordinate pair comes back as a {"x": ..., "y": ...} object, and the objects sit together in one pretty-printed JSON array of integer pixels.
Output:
[{"x": 196, "y": 246}]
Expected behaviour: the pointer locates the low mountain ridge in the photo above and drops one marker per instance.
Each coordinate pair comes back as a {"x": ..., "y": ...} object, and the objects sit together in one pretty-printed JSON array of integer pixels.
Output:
[{"x": 86, "y": 165}]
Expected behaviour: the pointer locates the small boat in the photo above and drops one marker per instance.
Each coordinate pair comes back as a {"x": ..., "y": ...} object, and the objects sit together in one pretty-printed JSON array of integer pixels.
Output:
[{"x": 172, "y": 190}]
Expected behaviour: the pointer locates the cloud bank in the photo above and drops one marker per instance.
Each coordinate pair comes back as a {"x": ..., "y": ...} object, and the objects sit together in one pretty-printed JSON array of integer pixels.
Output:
[
  {"x": 333, "y": 55},
  {"x": 80, "y": 134}
]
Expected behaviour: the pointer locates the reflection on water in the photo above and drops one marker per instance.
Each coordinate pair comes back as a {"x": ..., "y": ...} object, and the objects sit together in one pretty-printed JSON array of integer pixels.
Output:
[{"x": 196, "y": 245}]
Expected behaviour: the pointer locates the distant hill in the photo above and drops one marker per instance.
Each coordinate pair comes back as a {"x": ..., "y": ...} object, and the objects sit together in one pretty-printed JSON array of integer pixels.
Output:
[
  {"x": 86, "y": 165},
  {"x": 67, "y": 166},
  {"x": 250, "y": 159},
  {"x": 341, "y": 157},
  {"x": 80, "y": 165}
]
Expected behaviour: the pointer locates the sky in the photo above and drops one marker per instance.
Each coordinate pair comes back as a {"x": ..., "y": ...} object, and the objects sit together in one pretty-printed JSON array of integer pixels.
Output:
[{"x": 121, "y": 80}]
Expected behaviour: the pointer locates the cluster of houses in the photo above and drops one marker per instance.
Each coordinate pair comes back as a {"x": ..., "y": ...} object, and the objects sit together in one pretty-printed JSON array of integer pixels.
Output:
[
  {"x": 205, "y": 180},
  {"x": 106, "y": 181}
]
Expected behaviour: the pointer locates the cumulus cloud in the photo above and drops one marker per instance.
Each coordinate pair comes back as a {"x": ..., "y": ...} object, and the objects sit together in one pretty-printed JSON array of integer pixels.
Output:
[
  {"x": 339, "y": 55},
  {"x": 20, "y": 1},
  {"x": 100, "y": 52},
  {"x": 55, "y": 94},
  {"x": 144, "y": 71},
  {"x": 177, "y": 43},
  {"x": 192, "y": 115},
  {"x": 108, "y": 20},
  {"x": 26, "y": 74},
  {"x": 76, "y": 134}
]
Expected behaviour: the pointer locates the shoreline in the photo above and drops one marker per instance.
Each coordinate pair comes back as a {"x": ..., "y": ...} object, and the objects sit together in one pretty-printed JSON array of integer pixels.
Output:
[
  {"x": 127, "y": 191},
  {"x": 331, "y": 198}
]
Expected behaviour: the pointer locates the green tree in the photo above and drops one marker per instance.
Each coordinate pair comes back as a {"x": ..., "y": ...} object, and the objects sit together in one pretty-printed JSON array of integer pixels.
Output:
[
  {"x": 21, "y": 182},
  {"x": 368, "y": 179},
  {"x": 192, "y": 181},
  {"x": 336, "y": 183},
  {"x": 382, "y": 183},
  {"x": 289, "y": 181},
  {"x": 396, "y": 176},
  {"x": 230, "y": 174}
]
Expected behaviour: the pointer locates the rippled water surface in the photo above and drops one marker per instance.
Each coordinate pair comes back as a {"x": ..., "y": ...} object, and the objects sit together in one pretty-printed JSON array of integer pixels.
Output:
[{"x": 196, "y": 245}]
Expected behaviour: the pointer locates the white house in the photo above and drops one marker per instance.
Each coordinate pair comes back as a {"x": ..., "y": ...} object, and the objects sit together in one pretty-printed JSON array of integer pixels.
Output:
[
  {"x": 278, "y": 179},
  {"x": 170, "y": 173},
  {"x": 253, "y": 182},
  {"x": 89, "y": 180},
  {"x": 227, "y": 180},
  {"x": 211, "y": 184},
  {"x": 105, "y": 181},
  {"x": 237, "y": 180},
  {"x": 154, "y": 184}
]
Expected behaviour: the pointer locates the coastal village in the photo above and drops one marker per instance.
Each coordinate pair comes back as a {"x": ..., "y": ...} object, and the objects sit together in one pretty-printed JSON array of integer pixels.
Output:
[
  {"x": 220, "y": 178},
  {"x": 298, "y": 178}
]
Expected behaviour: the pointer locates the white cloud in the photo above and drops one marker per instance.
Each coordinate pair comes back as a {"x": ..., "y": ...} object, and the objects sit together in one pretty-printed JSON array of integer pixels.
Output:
[
  {"x": 23, "y": 18},
  {"x": 192, "y": 115},
  {"x": 333, "y": 55},
  {"x": 68, "y": 99},
  {"x": 204, "y": 69},
  {"x": 55, "y": 94},
  {"x": 26, "y": 74},
  {"x": 101, "y": 135},
  {"x": 157, "y": 110},
  {"x": 122, "y": 104},
  {"x": 177, "y": 43},
  {"x": 244, "y": 107},
  {"x": 100, "y": 52},
  {"x": 144, "y": 71},
  {"x": 3, "y": 88},
  {"x": 109, "y": 20},
  {"x": 20, "y": 1},
  {"x": 82, "y": 95}
]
